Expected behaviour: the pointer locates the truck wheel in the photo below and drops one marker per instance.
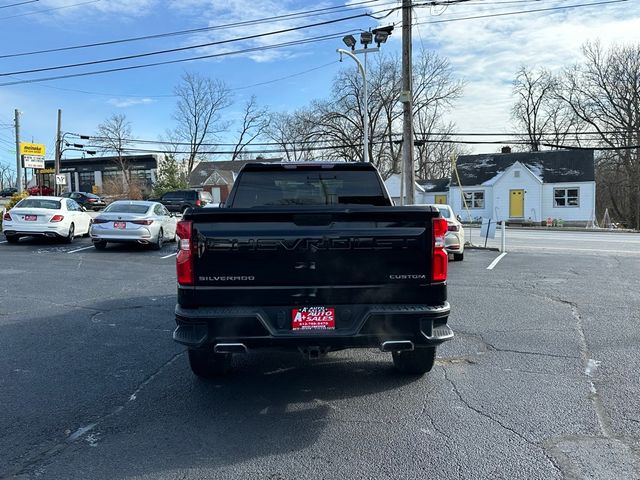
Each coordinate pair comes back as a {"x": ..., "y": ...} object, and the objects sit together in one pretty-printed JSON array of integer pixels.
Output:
[
  {"x": 207, "y": 364},
  {"x": 458, "y": 257},
  {"x": 12, "y": 238},
  {"x": 415, "y": 362}
]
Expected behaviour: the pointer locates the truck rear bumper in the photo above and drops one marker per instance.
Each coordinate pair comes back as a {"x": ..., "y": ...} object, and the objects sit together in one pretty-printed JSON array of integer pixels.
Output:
[{"x": 356, "y": 326}]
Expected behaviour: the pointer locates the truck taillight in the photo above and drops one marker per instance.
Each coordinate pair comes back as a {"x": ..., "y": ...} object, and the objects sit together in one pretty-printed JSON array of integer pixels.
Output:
[
  {"x": 184, "y": 259},
  {"x": 6, "y": 217},
  {"x": 440, "y": 257},
  {"x": 454, "y": 228},
  {"x": 57, "y": 218}
]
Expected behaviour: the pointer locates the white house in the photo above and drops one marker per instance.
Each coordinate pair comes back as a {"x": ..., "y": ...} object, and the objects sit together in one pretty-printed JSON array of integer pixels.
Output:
[
  {"x": 393, "y": 187},
  {"x": 425, "y": 191},
  {"x": 435, "y": 190},
  {"x": 526, "y": 187}
]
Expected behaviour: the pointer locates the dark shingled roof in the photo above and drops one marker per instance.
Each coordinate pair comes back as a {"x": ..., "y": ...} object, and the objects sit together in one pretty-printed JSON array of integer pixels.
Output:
[
  {"x": 205, "y": 169},
  {"x": 554, "y": 166},
  {"x": 435, "y": 185}
]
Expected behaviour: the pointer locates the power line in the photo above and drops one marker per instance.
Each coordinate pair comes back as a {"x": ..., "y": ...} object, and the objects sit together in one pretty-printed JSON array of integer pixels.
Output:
[
  {"x": 321, "y": 141},
  {"x": 257, "y": 49},
  {"x": 168, "y": 62},
  {"x": 47, "y": 10},
  {"x": 191, "y": 47},
  {"x": 295, "y": 15},
  {"x": 16, "y": 4},
  {"x": 243, "y": 87},
  {"x": 564, "y": 7}
]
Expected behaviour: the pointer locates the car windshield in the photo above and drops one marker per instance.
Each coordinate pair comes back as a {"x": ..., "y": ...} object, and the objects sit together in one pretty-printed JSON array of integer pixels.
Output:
[
  {"x": 127, "y": 208},
  {"x": 444, "y": 211},
  {"x": 39, "y": 203}
]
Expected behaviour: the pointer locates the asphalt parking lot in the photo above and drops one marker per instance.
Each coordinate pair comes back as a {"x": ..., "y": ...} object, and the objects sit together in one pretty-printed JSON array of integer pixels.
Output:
[{"x": 540, "y": 382}]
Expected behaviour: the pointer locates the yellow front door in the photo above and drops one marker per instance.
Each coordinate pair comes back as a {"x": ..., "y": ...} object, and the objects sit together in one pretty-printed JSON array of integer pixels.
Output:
[
  {"x": 516, "y": 204},
  {"x": 441, "y": 199}
]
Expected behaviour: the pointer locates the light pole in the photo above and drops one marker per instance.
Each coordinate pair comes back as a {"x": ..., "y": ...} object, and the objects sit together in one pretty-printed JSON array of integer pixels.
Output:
[{"x": 381, "y": 35}]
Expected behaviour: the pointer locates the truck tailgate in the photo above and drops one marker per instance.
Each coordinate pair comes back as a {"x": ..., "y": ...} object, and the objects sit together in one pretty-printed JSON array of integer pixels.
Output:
[{"x": 278, "y": 252}]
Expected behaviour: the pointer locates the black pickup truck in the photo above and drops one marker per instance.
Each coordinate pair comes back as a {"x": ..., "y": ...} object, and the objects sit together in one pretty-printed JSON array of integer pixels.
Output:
[{"x": 314, "y": 257}]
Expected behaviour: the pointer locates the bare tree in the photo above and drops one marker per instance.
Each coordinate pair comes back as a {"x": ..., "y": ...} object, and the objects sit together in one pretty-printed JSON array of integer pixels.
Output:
[
  {"x": 113, "y": 138},
  {"x": 604, "y": 92},
  {"x": 290, "y": 132},
  {"x": 201, "y": 101},
  {"x": 533, "y": 91},
  {"x": 7, "y": 176},
  {"x": 255, "y": 121}
]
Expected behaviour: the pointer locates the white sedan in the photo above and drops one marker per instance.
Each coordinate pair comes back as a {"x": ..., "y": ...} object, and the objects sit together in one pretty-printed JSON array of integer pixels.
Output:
[{"x": 53, "y": 217}]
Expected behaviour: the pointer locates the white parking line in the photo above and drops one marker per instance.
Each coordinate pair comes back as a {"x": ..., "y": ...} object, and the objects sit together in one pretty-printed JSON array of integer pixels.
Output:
[
  {"x": 171, "y": 255},
  {"x": 495, "y": 262},
  {"x": 80, "y": 249},
  {"x": 4, "y": 241}
]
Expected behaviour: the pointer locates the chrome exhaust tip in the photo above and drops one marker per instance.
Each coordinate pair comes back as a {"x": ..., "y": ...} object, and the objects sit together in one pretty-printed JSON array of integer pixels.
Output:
[
  {"x": 397, "y": 346},
  {"x": 143, "y": 242},
  {"x": 230, "y": 348}
]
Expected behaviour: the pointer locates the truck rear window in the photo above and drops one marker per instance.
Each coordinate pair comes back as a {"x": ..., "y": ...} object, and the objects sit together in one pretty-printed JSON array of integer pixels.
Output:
[{"x": 272, "y": 188}]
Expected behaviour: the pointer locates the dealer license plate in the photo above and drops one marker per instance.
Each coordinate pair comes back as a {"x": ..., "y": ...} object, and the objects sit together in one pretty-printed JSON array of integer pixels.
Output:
[
  {"x": 30, "y": 218},
  {"x": 120, "y": 225},
  {"x": 313, "y": 318}
]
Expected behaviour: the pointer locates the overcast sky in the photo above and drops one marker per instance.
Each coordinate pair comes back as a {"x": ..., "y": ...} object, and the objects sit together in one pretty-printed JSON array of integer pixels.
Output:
[{"x": 484, "y": 52}]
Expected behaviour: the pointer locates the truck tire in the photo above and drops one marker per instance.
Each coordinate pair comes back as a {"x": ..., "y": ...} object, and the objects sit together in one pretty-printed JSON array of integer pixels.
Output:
[
  {"x": 12, "y": 238},
  {"x": 415, "y": 362},
  {"x": 458, "y": 257},
  {"x": 207, "y": 364}
]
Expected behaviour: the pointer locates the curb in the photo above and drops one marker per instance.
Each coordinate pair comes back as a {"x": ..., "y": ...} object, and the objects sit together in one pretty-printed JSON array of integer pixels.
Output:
[{"x": 474, "y": 247}]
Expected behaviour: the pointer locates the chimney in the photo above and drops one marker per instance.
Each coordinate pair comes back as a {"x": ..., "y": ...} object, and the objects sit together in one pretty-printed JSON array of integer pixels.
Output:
[{"x": 506, "y": 149}]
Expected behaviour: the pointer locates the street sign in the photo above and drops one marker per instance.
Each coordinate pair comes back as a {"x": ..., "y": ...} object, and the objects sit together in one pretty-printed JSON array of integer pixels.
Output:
[
  {"x": 32, "y": 161},
  {"x": 61, "y": 179},
  {"x": 32, "y": 149},
  {"x": 488, "y": 228}
]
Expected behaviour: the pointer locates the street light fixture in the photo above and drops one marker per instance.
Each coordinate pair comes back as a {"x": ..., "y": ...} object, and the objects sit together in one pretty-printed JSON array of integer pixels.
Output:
[
  {"x": 349, "y": 41},
  {"x": 365, "y": 39}
]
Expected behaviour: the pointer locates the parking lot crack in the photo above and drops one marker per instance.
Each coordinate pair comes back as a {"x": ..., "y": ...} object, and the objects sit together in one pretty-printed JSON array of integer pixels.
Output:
[
  {"x": 44, "y": 456},
  {"x": 495, "y": 420}
]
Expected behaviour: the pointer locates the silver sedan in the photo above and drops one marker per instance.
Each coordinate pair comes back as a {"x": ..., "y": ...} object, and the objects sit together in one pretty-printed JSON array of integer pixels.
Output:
[{"x": 133, "y": 221}]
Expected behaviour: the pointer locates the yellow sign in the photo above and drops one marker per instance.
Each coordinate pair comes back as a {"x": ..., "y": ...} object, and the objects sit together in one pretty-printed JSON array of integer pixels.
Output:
[
  {"x": 47, "y": 170},
  {"x": 32, "y": 149}
]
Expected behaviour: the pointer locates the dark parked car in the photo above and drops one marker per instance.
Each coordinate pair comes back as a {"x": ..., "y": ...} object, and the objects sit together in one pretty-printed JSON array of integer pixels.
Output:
[
  {"x": 7, "y": 192},
  {"x": 40, "y": 190},
  {"x": 87, "y": 200},
  {"x": 181, "y": 200}
]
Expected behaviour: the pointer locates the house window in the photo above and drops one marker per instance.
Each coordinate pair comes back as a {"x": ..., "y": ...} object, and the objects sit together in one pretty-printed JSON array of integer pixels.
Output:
[
  {"x": 516, "y": 173},
  {"x": 473, "y": 199},
  {"x": 566, "y": 197}
]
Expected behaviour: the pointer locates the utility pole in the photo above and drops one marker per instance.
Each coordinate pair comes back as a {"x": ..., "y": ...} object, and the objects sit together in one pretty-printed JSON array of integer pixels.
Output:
[
  {"x": 406, "y": 98},
  {"x": 58, "y": 149},
  {"x": 18, "y": 160}
]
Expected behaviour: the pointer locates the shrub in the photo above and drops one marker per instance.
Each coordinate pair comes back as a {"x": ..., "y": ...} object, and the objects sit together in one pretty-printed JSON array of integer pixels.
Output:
[{"x": 15, "y": 198}]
